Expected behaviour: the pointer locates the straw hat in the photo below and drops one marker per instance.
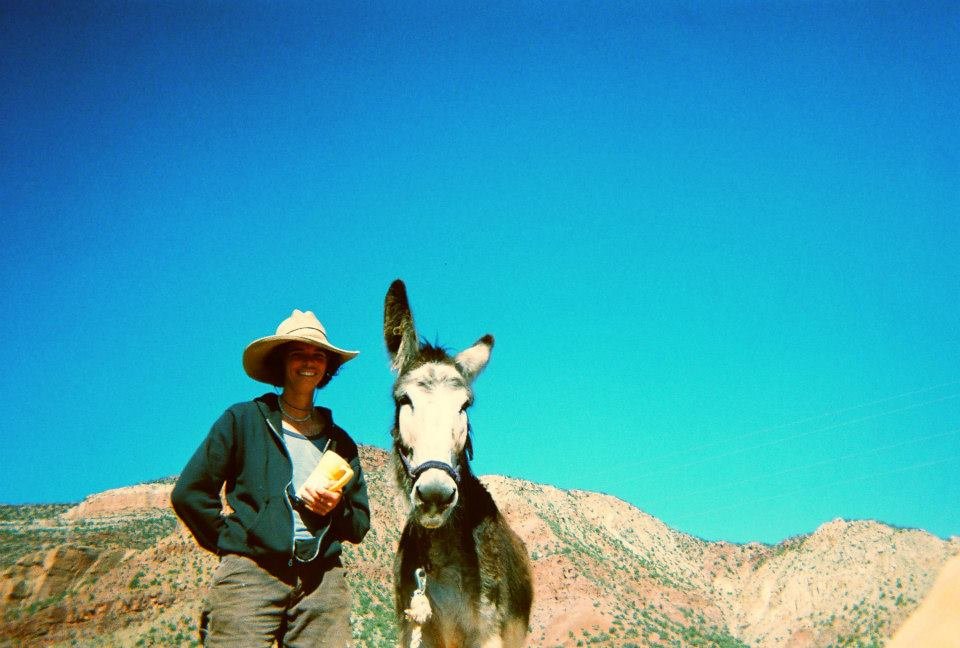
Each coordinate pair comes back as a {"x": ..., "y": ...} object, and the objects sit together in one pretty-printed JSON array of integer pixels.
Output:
[{"x": 299, "y": 327}]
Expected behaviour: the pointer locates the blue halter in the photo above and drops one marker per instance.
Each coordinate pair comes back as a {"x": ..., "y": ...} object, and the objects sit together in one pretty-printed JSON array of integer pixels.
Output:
[{"x": 416, "y": 471}]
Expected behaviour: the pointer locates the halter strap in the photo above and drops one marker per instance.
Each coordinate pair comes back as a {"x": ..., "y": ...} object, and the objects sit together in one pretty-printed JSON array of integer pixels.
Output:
[{"x": 416, "y": 471}]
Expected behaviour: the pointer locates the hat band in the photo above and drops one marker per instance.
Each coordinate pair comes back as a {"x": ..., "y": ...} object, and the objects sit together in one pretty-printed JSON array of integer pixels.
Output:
[{"x": 306, "y": 328}]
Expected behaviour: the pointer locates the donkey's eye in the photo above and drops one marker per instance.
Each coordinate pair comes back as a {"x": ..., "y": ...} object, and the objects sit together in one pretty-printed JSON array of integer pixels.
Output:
[
  {"x": 463, "y": 408},
  {"x": 404, "y": 400}
]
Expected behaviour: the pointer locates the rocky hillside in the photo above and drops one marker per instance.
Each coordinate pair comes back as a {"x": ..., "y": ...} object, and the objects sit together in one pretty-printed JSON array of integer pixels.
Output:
[
  {"x": 118, "y": 570},
  {"x": 936, "y": 621}
]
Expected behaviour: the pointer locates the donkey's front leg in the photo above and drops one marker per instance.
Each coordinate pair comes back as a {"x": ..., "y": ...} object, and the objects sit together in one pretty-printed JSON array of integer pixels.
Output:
[
  {"x": 514, "y": 634},
  {"x": 497, "y": 632}
]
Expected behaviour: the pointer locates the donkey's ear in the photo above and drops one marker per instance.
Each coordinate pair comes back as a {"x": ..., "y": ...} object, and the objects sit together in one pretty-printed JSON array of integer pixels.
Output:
[
  {"x": 472, "y": 361},
  {"x": 398, "y": 330}
]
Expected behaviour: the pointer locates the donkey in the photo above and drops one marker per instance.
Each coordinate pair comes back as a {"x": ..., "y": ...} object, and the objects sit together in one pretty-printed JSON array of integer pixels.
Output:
[{"x": 478, "y": 582}]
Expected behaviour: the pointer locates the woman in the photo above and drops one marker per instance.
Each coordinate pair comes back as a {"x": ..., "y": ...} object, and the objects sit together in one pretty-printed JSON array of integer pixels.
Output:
[{"x": 280, "y": 577}]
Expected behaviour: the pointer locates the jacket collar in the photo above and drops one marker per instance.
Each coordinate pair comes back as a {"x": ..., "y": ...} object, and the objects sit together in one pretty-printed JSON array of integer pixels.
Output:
[{"x": 269, "y": 406}]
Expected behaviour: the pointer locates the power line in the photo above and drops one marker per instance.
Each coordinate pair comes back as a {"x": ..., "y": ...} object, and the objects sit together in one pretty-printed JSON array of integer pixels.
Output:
[
  {"x": 799, "y": 435},
  {"x": 747, "y": 435},
  {"x": 804, "y": 491},
  {"x": 793, "y": 469}
]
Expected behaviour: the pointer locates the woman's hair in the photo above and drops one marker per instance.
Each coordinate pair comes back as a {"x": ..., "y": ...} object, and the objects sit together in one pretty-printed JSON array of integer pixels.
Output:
[{"x": 277, "y": 358}]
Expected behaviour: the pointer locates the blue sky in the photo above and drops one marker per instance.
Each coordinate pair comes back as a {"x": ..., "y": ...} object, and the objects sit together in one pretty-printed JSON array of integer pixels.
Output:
[{"x": 716, "y": 244}]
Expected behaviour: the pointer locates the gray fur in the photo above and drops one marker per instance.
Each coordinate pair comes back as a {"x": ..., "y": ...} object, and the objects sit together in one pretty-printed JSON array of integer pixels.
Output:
[{"x": 479, "y": 581}]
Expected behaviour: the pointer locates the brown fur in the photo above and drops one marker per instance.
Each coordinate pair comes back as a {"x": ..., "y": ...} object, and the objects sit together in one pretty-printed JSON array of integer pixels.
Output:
[{"x": 479, "y": 582}]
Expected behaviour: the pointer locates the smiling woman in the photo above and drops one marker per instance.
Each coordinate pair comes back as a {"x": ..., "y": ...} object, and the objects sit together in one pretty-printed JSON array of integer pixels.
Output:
[
  {"x": 305, "y": 367},
  {"x": 280, "y": 575}
]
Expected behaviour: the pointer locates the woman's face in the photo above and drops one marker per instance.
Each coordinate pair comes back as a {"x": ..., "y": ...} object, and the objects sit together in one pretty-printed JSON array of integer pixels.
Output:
[{"x": 304, "y": 366}]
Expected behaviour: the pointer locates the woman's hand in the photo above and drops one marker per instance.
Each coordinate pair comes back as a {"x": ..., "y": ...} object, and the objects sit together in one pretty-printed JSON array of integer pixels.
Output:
[{"x": 320, "y": 500}]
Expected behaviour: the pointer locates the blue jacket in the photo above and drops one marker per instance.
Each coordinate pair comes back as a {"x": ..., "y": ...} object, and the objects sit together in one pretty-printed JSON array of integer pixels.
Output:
[{"x": 245, "y": 451}]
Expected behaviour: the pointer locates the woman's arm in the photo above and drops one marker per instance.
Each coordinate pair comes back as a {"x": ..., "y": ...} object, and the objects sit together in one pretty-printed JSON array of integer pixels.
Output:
[{"x": 196, "y": 495}]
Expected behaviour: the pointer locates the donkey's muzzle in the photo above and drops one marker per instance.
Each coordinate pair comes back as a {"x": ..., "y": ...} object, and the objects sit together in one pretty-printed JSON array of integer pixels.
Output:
[
  {"x": 434, "y": 489},
  {"x": 434, "y": 494}
]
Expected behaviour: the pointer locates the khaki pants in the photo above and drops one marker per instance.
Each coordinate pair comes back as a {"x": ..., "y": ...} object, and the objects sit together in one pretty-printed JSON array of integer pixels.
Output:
[{"x": 251, "y": 605}]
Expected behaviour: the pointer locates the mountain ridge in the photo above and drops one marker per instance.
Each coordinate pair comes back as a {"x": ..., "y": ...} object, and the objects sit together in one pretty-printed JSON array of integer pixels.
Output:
[{"x": 118, "y": 569}]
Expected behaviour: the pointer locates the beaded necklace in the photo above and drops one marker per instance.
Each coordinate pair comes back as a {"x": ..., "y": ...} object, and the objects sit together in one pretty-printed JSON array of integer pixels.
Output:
[{"x": 290, "y": 416}]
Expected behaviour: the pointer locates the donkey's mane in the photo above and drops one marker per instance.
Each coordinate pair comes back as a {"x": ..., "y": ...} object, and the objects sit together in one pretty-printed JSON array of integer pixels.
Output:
[{"x": 431, "y": 353}]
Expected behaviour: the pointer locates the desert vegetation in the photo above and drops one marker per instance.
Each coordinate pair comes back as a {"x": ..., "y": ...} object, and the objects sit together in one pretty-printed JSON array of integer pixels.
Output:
[{"x": 119, "y": 570}]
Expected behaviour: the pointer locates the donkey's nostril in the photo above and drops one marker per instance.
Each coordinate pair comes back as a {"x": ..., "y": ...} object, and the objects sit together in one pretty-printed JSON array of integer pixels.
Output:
[{"x": 435, "y": 494}]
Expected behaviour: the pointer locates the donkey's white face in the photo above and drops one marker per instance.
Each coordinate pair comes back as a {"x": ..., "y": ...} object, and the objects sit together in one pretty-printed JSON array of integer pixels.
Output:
[
  {"x": 432, "y": 403},
  {"x": 432, "y": 394}
]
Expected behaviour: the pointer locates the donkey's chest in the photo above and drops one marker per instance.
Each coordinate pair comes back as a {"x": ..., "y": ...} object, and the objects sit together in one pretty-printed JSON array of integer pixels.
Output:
[
  {"x": 457, "y": 605},
  {"x": 453, "y": 572},
  {"x": 454, "y": 590}
]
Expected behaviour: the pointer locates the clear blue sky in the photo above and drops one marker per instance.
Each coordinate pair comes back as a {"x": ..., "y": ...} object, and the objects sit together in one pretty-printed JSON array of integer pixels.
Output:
[{"x": 717, "y": 246}]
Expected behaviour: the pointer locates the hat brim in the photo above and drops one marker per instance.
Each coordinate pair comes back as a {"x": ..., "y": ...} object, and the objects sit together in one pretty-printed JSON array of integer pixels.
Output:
[{"x": 256, "y": 353}]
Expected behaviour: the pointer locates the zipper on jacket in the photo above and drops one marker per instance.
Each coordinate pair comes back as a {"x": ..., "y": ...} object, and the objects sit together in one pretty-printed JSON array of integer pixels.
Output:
[
  {"x": 286, "y": 498},
  {"x": 289, "y": 487}
]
